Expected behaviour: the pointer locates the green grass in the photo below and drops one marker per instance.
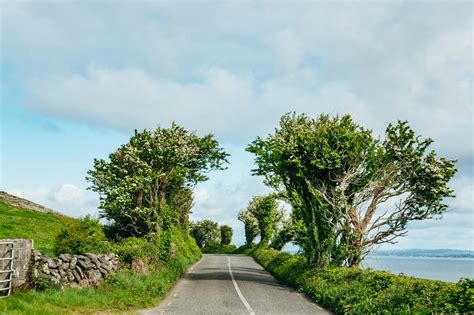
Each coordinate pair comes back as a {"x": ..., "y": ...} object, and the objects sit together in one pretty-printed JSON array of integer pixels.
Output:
[
  {"x": 22, "y": 223},
  {"x": 122, "y": 292},
  {"x": 361, "y": 291}
]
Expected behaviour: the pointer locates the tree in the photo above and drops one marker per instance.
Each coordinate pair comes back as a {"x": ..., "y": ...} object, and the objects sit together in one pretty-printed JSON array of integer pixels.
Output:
[
  {"x": 284, "y": 235},
  {"x": 226, "y": 234},
  {"x": 205, "y": 232},
  {"x": 154, "y": 172},
  {"x": 332, "y": 169},
  {"x": 250, "y": 225},
  {"x": 264, "y": 209},
  {"x": 403, "y": 171}
]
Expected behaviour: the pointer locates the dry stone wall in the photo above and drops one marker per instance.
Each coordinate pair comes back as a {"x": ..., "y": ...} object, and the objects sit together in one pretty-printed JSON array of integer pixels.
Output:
[{"x": 75, "y": 270}]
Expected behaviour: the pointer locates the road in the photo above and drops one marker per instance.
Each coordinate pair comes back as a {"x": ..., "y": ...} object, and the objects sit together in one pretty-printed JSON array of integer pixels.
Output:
[{"x": 232, "y": 284}]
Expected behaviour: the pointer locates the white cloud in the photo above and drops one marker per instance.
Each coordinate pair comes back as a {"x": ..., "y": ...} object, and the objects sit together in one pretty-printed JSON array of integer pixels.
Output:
[
  {"x": 69, "y": 193},
  {"x": 67, "y": 198}
]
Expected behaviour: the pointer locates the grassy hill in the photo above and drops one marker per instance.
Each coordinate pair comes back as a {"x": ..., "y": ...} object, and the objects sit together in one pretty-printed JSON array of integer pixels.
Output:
[{"x": 19, "y": 222}]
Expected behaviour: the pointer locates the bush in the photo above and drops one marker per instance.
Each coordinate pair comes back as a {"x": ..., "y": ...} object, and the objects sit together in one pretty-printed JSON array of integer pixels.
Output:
[
  {"x": 362, "y": 291},
  {"x": 219, "y": 249},
  {"x": 83, "y": 236}
]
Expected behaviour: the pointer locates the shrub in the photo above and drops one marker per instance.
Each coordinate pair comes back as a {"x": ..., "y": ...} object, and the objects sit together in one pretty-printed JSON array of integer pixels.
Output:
[
  {"x": 361, "y": 291},
  {"x": 83, "y": 236},
  {"x": 219, "y": 249}
]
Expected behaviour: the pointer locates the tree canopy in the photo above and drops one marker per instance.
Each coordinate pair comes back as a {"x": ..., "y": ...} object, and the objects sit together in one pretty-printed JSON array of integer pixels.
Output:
[
  {"x": 206, "y": 233},
  {"x": 146, "y": 184}
]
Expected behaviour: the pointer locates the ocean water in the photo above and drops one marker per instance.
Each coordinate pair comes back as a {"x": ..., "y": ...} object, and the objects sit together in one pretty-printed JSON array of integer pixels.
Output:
[{"x": 435, "y": 268}]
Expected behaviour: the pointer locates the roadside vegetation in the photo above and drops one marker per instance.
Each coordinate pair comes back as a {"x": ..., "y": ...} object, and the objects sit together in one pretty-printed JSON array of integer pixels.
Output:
[
  {"x": 145, "y": 190},
  {"x": 360, "y": 291}
]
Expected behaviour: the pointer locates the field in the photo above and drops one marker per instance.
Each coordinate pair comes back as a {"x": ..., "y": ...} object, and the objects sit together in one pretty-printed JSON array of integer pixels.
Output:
[{"x": 16, "y": 222}]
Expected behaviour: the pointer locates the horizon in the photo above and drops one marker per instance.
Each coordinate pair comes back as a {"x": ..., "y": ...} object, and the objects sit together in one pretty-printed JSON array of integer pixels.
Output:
[{"x": 76, "y": 80}]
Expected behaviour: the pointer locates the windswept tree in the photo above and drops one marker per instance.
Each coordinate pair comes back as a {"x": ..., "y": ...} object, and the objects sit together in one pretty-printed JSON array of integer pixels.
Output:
[
  {"x": 264, "y": 209},
  {"x": 205, "y": 232},
  {"x": 250, "y": 225},
  {"x": 336, "y": 175},
  {"x": 226, "y": 234},
  {"x": 284, "y": 234},
  {"x": 146, "y": 183}
]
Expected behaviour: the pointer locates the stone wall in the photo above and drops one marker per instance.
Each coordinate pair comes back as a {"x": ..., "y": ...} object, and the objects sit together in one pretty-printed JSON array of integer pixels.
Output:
[
  {"x": 75, "y": 270},
  {"x": 21, "y": 262}
]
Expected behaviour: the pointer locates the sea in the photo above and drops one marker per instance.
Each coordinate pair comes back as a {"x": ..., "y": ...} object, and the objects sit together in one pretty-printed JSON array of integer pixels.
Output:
[{"x": 435, "y": 268}]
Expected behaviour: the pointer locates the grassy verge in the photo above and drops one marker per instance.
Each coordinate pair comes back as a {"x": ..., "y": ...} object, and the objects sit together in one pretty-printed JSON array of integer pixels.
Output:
[
  {"x": 361, "y": 291},
  {"x": 23, "y": 223},
  {"x": 124, "y": 291}
]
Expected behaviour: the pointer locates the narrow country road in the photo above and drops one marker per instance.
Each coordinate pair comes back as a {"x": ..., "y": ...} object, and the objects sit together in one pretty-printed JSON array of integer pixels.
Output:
[{"x": 231, "y": 284}]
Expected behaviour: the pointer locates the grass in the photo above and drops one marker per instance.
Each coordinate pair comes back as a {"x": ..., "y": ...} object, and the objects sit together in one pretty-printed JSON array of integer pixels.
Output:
[
  {"x": 23, "y": 223},
  {"x": 361, "y": 291},
  {"x": 122, "y": 292}
]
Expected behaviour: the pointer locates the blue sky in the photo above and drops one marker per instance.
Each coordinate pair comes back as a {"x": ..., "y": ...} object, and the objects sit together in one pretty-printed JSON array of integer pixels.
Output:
[{"x": 77, "y": 78}]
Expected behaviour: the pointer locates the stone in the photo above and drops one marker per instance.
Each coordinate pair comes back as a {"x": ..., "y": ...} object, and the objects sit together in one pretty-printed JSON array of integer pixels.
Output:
[
  {"x": 73, "y": 262},
  {"x": 70, "y": 276},
  {"x": 45, "y": 269},
  {"x": 79, "y": 270},
  {"x": 52, "y": 263},
  {"x": 55, "y": 273},
  {"x": 76, "y": 275},
  {"x": 94, "y": 277},
  {"x": 65, "y": 257},
  {"x": 65, "y": 266},
  {"x": 83, "y": 264},
  {"x": 108, "y": 266},
  {"x": 103, "y": 259},
  {"x": 103, "y": 271}
]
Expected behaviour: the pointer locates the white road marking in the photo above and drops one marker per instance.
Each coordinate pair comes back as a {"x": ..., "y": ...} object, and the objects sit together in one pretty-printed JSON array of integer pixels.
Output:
[{"x": 241, "y": 296}]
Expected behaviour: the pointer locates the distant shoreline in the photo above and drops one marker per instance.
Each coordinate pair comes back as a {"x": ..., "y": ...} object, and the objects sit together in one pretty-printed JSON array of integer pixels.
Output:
[{"x": 427, "y": 253}]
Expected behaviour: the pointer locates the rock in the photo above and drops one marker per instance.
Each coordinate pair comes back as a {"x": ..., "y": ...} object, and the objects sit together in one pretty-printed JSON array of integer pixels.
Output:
[
  {"x": 79, "y": 270},
  {"x": 45, "y": 269},
  {"x": 138, "y": 266},
  {"x": 73, "y": 262},
  {"x": 76, "y": 275},
  {"x": 55, "y": 273},
  {"x": 103, "y": 271},
  {"x": 94, "y": 277},
  {"x": 65, "y": 266},
  {"x": 70, "y": 276},
  {"x": 103, "y": 259},
  {"x": 108, "y": 266},
  {"x": 65, "y": 257},
  {"x": 52, "y": 263},
  {"x": 84, "y": 264}
]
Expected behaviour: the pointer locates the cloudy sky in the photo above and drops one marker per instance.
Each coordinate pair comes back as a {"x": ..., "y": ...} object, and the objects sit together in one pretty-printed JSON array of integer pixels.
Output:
[{"x": 78, "y": 77}]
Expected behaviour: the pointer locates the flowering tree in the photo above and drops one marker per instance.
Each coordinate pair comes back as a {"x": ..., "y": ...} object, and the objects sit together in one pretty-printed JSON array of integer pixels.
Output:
[
  {"x": 250, "y": 225},
  {"x": 145, "y": 185},
  {"x": 336, "y": 175}
]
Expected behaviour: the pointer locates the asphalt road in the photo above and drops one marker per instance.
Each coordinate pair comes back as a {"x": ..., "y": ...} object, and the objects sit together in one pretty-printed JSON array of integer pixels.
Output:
[{"x": 231, "y": 284}]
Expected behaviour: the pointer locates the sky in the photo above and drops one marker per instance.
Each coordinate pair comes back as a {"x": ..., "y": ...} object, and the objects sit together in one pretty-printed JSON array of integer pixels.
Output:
[{"x": 76, "y": 78}]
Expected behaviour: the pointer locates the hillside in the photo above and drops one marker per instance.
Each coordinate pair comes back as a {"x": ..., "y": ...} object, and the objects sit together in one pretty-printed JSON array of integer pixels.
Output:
[{"x": 20, "y": 218}]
